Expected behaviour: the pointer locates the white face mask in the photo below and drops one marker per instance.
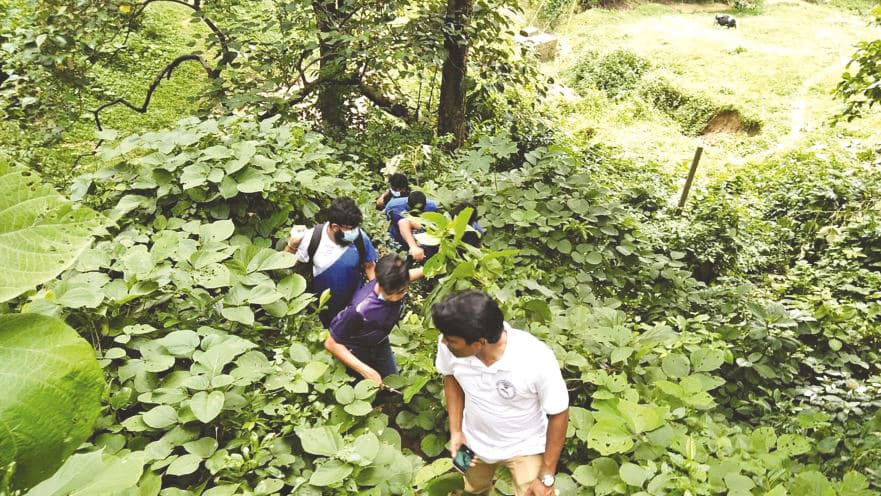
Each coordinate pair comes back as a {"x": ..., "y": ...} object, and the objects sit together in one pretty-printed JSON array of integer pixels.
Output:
[{"x": 394, "y": 193}]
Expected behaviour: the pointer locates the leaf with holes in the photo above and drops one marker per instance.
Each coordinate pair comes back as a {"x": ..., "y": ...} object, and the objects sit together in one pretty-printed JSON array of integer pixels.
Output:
[{"x": 41, "y": 232}]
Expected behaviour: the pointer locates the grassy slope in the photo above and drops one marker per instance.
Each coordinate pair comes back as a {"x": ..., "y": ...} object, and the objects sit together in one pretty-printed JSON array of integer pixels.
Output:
[
  {"x": 166, "y": 32},
  {"x": 779, "y": 65}
]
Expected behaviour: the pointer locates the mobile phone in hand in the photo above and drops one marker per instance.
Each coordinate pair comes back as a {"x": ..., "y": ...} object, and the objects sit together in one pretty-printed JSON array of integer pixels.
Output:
[{"x": 462, "y": 460}]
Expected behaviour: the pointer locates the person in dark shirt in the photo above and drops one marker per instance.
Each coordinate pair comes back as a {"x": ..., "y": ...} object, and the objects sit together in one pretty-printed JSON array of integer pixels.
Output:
[
  {"x": 399, "y": 187},
  {"x": 359, "y": 334}
]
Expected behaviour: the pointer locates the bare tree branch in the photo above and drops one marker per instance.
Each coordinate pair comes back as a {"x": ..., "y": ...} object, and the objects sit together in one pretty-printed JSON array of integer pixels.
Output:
[
  {"x": 166, "y": 72},
  {"x": 385, "y": 102}
]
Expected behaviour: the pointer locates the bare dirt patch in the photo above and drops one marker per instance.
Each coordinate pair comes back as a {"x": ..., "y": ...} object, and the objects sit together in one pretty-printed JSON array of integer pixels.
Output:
[{"x": 728, "y": 121}]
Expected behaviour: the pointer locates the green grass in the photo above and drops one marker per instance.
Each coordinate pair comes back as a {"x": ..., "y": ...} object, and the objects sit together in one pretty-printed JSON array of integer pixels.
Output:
[
  {"x": 787, "y": 57},
  {"x": 166, "y": 33}
]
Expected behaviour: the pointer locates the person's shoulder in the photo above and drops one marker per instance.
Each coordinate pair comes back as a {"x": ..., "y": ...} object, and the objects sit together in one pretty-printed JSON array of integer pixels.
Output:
[
  {"x": 525, "y": 342},
  {"x": 395, "y": 202}
]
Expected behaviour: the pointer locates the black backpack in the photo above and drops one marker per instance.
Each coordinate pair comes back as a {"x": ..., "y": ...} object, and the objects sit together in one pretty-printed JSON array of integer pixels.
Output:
[{"x": 305, "y": 268}]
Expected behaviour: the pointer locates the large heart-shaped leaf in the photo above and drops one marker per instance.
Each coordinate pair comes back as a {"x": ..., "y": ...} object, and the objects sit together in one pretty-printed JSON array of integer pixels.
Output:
[
  {"x": 41, "y": 232},
  {"x": 50, "y": 394},
  {"x": 206, "y": 406}
]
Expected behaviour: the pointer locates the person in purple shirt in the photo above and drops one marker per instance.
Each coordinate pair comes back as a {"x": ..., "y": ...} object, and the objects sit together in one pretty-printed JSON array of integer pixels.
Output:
[{"x": 359, "y": 334}]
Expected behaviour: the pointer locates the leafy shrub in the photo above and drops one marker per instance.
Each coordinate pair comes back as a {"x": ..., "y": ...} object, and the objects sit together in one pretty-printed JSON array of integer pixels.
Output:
[
  {"x": 693, "y": 112},
  {"x": 616, "y": 73}
]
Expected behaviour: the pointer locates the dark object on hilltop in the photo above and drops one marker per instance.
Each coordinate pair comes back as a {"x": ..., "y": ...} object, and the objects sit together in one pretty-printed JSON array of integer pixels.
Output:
[{"x": 726, "y": 20}]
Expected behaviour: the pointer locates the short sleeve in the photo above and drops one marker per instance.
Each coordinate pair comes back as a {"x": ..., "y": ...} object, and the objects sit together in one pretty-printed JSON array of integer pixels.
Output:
[
  {"x": 346, "y": 324},
  {"x": 370, "y": 255},
  {"x": 303, "y": 249},
  {"x": 551, "y": 387},
  {"x": 444, "y": 360}
]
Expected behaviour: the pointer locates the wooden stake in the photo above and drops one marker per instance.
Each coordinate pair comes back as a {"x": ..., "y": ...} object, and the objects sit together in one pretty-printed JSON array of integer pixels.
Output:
[{"x": 690, "y": 179}]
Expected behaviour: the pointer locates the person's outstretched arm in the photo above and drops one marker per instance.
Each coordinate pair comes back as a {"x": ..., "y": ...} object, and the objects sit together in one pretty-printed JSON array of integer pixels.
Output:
[
  {"x": 406, "y": 226},
  {"x": 350, "y": 360}
]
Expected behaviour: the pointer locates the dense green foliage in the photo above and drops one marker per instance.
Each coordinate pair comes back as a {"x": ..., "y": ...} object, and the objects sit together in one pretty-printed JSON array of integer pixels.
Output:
[{"x": 728, "y": 348}]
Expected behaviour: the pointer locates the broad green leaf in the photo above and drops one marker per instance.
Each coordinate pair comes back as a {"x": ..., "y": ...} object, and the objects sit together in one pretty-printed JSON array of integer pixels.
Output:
[
  {"x": 299, "y": 353},
  {"x": 432, "y": 445},
  {"x": 433, "y": 470},
  {"x": 365, "y": 389},
  {"x": 267, "y": 259},
  {"x": 268, "y": 486},
  {"x": 413, "y": 389},
  {"x": 242, "y": 315},
  {"x": 585, "y": 475},
  {"x": 50, "y": 394},
  {"x": 184, "y": 465},
  {"x": 160, "y": 417},
  {"x": 364, "y": 449},
  {"x": 345, "y": 394},
  {"x": 812, "y": 483},
  {"x": 707, "y": 359},
  {"x": 78, "y": 295},
  {"x": 203, "y": 448},
  {"x": 633, "y": 474},
  {"x": 609, "y": 438},
  {"x": 180, "y": 343},
  {"x": 292, "y": 286},
  {"x": 216, "y": 231},
  {"x": 330, "y": 473},
  {"x": 676, "y": 365},
  {"x": 594, "y": 258},
  {"x": 206, "y": 406},
  {"x": 324, "y": 440},
  {"x": 358, "y": 408},
  {"x": 642, "y": 418},
  {"x": 92, "y": 474},
  {"x": 737, "y": 482},
  {"x": 313, "y": 371},
  {"x": 41, "y": 232},
  {"x": 793, "y": 444}
]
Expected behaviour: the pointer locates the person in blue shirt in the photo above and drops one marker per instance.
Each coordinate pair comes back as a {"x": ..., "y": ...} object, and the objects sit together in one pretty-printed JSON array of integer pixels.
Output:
[
  {"x": 415, "y": 203},
  {"x": 344, "y": 256},
  {"x": 359, "y": 334}
]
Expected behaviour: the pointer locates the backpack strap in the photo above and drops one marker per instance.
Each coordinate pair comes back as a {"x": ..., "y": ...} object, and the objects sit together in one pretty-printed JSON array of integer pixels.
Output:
[
  {"x": 317, "y": 232},
  {"x": 362, "y": 249}
]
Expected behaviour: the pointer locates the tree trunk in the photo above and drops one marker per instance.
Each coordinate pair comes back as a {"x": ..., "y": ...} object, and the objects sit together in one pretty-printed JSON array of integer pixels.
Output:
[
  {"x": 451, "y": 110},
  {"x": 332, "y": 67}
]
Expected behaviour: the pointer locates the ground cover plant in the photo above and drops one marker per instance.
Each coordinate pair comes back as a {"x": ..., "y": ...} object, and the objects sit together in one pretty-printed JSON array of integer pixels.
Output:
[{"x": 726, "y": 348}]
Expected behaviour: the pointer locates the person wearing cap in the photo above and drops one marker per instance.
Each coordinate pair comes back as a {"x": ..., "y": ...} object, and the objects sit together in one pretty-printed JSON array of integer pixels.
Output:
[{"x": 506, "y": 397}]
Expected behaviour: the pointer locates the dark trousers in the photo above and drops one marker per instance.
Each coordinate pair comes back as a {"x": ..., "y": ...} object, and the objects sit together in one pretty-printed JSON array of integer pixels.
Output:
[{"x": 379, "y": 357}]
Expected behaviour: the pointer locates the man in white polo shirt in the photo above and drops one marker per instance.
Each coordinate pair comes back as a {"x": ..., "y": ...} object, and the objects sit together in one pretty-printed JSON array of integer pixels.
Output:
[{"x": 505, "y": 395}]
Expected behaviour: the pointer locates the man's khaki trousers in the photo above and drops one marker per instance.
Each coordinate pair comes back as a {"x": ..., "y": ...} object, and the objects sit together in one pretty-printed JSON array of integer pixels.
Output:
[{"x": 524, "y": 470}]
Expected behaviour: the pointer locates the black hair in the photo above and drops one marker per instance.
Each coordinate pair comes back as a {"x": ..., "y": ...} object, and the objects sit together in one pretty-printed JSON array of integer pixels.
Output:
[
  {"x": 399, "y": 182},
  {"x": 344, "y": 212},
  {"x": 416, "y": 201},
  {"x": 392, "y": 273},
  {"x": 471, "y": 315}
]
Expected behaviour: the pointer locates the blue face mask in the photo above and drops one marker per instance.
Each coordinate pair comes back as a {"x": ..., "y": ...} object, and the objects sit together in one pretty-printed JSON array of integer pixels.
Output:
[
  {"x": 351, "y": 236},
  {"x": 394, "y": 193}
]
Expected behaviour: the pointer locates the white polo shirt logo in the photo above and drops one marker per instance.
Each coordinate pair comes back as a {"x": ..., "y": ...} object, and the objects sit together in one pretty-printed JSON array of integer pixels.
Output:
[{"x": 505, "y": 389}]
